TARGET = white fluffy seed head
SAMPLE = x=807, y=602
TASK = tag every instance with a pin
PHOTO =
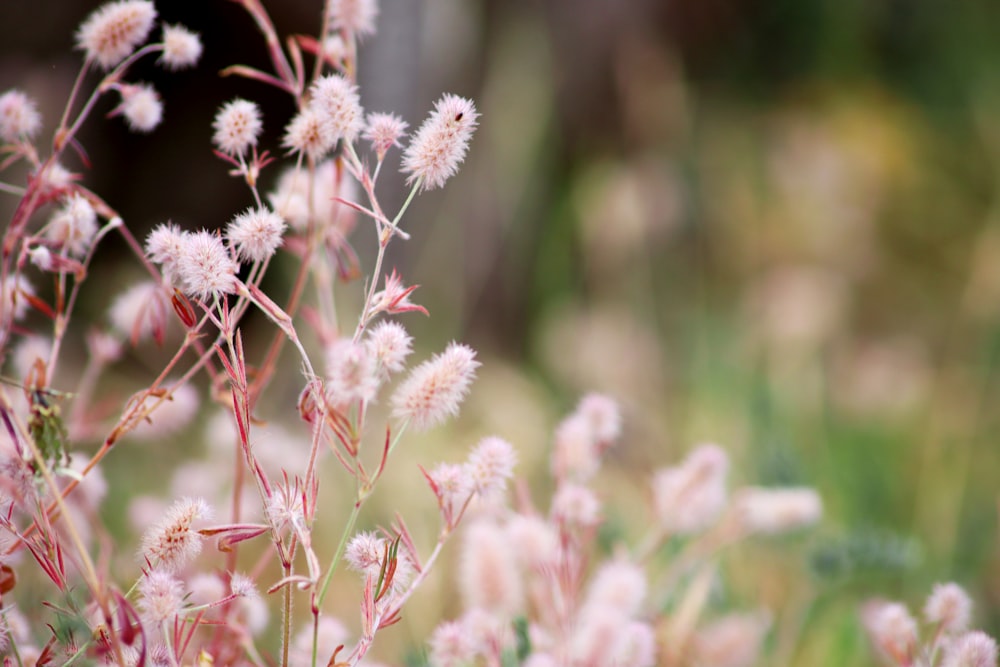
x=205, y=268
x=161, y=595
x=164, y=246
x=689, y=497
x=352, y=374
x=488, y=577
x=973, y=649
x=434, y=390
x=773, y=511
x=619, y=585
x=237, y=127
x=364, y=553
x=451, y=646
x=892, y=629
x=142, y=107
x=73, y=226
x=173, y=542
x=440, y=144
x=575, y=505
x=389, y=345
x=354, y=16
x=384, y=130
x=140, y=312
x=337, y=102
x=491, y=465
x=309, y=133
x=255, y=235
x=950, y=607
x=181, y=47
x=113, y=31
x=19, y=117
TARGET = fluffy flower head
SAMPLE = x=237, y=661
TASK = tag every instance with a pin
x=337, y=102
x=237, y=126
x=354, y=16
x=439, y=146
x=255, y=234
x=434, y=389
x=384, y=131
x=389, y=345
x=19, y=117
x=204, y=267
x=142, y=107
x=114, y=30
x=73, y=226
x=309, y=133
x=181, y=47
x=172, y=542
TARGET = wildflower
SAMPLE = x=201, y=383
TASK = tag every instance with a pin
x=206, y=589
x=19, y=117
x=575, y=453
x=453, y=488
x=734, y=640
x=352, y=374
x=488, y=576
x=204, y=267
x=164, y=246
x=637, y=645
x=104, y=348
x=490, y=465
x=451, y=646
x=949, y=607
x=973, y=649
x=353, y=16
x=27, y=351
x=73, y=226
x=576, y=505
x=364, y=553
x=309, y=133
x=618, y=584
x=181, y=47
x=774, y=511
x=237, y=126
x=535, y=541
x=384, y=131
x=337, y=101
x=172, y=542
x=291, y=199
x=242, y=586
x=12, y=299
x=689, y=497
x=255, y=234
x=114, y=30
x=140, y=311
x=141, y=106
x=602, y=415
x=389, y=345
x=597, y=636
x=433, y=390
x=892, y=629
x=161, y=595
x=440, y=144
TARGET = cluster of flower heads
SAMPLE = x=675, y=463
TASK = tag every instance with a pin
x=948, y=642
x=534, y=565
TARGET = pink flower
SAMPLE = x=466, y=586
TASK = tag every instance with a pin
x=181, y=47
x=141, y=106
x=950, y=607
x=237, y=126
x=490, y=465
x=434, y=389
x=161, y=595
x=690, y=497
x=114, y=30
x=19, y=117
x=205, y=268
x=309, y=133
x=440, y=144
x=337, y=101
x=384, y=131
x=354, y=16
x=173, y=542
x=255, y=234
x=389, y=345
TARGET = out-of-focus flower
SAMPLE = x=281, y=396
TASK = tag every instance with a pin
x=113, y=31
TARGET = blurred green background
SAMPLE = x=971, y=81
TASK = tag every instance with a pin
x=772, y=224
